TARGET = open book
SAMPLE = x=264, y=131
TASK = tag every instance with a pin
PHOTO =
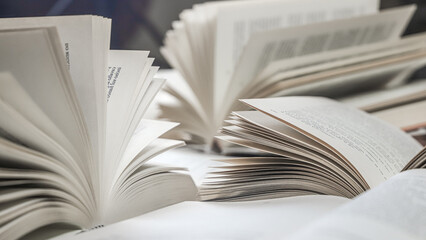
x=392, y=210
x=276, y=48
x=312, y=145
x=72, y=144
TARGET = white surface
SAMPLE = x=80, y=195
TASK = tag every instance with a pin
x=266, y=219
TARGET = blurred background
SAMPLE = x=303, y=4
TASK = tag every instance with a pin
x=141, y=24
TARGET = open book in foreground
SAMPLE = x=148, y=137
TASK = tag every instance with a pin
x=392, y=210
x=279, y=48
x=72, y=144
x=314, y=145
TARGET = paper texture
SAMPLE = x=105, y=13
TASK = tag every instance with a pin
x=376, y=149
x=234, y=30
x=393, y=210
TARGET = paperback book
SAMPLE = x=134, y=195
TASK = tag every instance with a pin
x=312, y=145
x=73, y=148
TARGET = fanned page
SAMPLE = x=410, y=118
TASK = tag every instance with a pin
x=206, y=43
x=269, y=46
x=349, y=79
x=234, y=30
x=277, y=70
x=132, y=187
x=46, y=153
x=127, y=76
x=393, y=210
x=351, y=70
x=85, y=42
x=52, y=168
x=371, y=147
x=380, y=99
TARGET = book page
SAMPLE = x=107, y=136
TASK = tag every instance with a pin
x=348, y=79
x=14, y=156
x=269, y=46
x=233, y=30
x=146, y=132
x=177, y=86
x=388, y=97
x=84, y=41
x=376, y=149
x=342, y=57
x=126, y=76
x=144, y=187
x=393, y=210
x=13, y=95
x=407, y=116
x=36, y=54
x=22, y=133
x=138, y=113
x=129, y=77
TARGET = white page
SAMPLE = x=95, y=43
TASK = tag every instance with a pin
x=35, y=54
x=44, y=215
x=373, y=100
x=342, y=57
x=127, y=79
x=140, y=189
x=268, y=46
x=197, y=32
x=129, y=127
x=286, y=132
x=126, y=75
x=9, y=211
x=233, y=30
x=24, y=133
x=101, y=32
x=345, y=79
x=16, y=155
x=265, y=219
x=84, y=58
x=153, y=149
x=137, y=114
x=14, y=95
x=177, y=84
x=393, y=210
x=376, y=149
x=345, y=84
x=408, y=116
x=146, y=132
